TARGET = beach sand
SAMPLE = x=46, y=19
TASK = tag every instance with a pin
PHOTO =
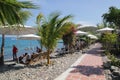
x=39, y=71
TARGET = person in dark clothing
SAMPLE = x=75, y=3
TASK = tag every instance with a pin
x=15, y=50
x=38, y=50
x=20, y=59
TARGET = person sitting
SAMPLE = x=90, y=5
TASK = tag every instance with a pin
x=33, y=55
x=20, y=59
x=38, y=50
x=26, y=58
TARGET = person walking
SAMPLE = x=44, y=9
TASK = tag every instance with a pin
x=15, y=50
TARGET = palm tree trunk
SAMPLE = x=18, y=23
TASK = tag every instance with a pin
x=2, y=50
x=48, y=57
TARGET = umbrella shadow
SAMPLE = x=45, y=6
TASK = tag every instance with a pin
x=12, y=65
x=16, y=66
x=9, y=67
x=87, y=70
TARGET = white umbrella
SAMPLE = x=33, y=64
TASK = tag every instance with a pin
x=15, y=30
x=92, y=36
x=29, y=37
x=80, y=32
x=83, y=26
x=105, y=29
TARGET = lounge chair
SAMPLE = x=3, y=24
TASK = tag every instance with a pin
x=38, y=57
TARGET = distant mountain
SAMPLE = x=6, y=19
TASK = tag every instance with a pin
x=90, y=29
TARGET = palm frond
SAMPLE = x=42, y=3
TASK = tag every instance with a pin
x=39, y=17
x=52, y=30
x=9, y=10
x=24, y=15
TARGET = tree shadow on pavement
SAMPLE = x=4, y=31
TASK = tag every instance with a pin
x=95, y=51
x=87, y=70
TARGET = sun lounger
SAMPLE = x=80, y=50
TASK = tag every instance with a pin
x=38, y=57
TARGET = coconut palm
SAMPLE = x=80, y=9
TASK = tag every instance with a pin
x=10, y=14
x=51, y=30
x=24, y=15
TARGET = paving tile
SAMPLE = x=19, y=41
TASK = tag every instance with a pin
x=84, y=78
x=76, y=77
x=93, y=79
x=90, y=68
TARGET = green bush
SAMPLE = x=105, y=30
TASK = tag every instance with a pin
x=114, y=60
x=108, y=40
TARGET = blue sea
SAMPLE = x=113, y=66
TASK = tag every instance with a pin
x=23, y=46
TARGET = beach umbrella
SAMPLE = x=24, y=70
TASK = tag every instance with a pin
x=105, y=29
x=86, y=26
x=92, y=36
x=80, y=32
x=29, y=37
x=15, y=30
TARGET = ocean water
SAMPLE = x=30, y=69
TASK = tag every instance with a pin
x=23, y=46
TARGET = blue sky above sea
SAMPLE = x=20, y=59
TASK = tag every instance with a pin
x=86, y=12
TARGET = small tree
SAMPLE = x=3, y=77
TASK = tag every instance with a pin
x=51, y=30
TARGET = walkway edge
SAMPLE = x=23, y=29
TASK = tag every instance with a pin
x=65, y=74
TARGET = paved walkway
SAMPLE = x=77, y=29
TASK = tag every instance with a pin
x=87, y=67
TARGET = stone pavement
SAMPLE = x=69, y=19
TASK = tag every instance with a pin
x=87, y=67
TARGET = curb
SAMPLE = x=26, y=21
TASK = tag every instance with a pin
x=66, y=73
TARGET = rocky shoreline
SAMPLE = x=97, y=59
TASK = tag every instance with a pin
x=39, y=71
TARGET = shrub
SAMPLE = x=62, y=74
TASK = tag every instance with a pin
x=108, y=40
x=114, y=60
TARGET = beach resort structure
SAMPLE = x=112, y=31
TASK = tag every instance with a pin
x=57, y=48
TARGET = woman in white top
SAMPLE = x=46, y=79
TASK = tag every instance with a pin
x=26, y=58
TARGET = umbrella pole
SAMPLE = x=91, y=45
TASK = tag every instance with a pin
x=2, y=50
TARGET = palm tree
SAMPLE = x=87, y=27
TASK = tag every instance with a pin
x=51, y=30
x=10, y=14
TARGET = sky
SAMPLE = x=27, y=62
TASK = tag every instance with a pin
x=85, y=12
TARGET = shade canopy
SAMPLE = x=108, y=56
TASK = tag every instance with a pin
x=80, y=32
x=92, y=36
x=86, y=26
x=17, y=30
x=29, y=37
x=105, y=29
